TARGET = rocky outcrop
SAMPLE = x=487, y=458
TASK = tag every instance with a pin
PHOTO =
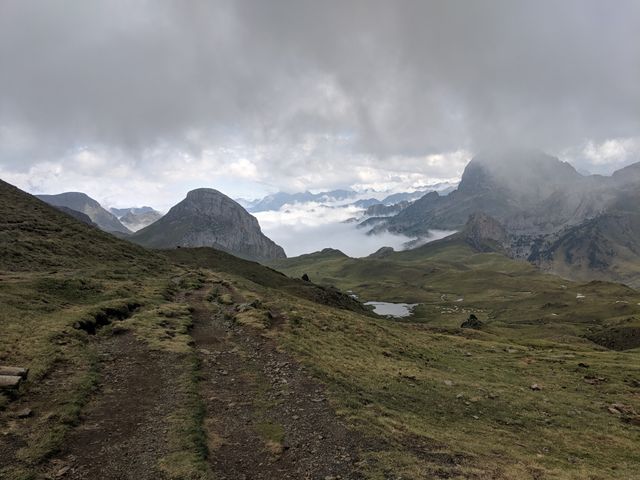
x=381, y=210
x=605, y=248
x=81, y=202
x=208, y=218
x=484, y=233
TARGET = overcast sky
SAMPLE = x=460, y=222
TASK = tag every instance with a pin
x=136, y=102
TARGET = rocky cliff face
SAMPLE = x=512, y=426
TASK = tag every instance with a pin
x=606, y=247
x=485, y=233
x=81, y=202
x=208, y=218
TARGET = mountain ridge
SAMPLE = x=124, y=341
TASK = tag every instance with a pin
x=81, y=202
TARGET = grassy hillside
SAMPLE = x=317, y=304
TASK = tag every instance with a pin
x=525, y=397
x=65, y=287
x=219, y=261
x=35, y=236
x=450, y=280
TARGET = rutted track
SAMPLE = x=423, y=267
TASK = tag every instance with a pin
x=266, y=418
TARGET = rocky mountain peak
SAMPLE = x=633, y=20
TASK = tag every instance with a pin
x=209, y=218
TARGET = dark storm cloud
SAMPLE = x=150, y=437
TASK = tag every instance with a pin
x=384, y=77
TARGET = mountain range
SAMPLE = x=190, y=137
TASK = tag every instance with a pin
x=346, y=197
x=577, y=225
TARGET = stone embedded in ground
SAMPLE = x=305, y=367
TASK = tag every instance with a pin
x=10, y=381
x=24, y=413
x=14, y=371
x=62, y=471
x=535, y=387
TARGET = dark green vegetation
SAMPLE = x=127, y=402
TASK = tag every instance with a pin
x=548, y=386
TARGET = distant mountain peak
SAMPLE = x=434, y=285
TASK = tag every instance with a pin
x=83, y=203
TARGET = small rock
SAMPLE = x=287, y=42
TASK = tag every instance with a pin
x=24, y=413
x=448, y=383
x=62, y=471
x=621, y=409
x=535, y=387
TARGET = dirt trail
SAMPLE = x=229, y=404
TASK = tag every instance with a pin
x=266, y=418
x=123, y=431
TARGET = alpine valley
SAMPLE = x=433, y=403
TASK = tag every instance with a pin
x=193, y=348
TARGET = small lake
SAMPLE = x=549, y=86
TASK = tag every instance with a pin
x=397, y=310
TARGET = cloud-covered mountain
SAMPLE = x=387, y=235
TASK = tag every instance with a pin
x=81, y=202
x=564, y=221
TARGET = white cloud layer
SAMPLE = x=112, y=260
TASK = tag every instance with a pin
x=311, y=227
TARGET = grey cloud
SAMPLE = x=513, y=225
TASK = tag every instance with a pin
x=394, y=78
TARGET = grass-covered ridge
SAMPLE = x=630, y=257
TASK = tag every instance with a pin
x=36, y=237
